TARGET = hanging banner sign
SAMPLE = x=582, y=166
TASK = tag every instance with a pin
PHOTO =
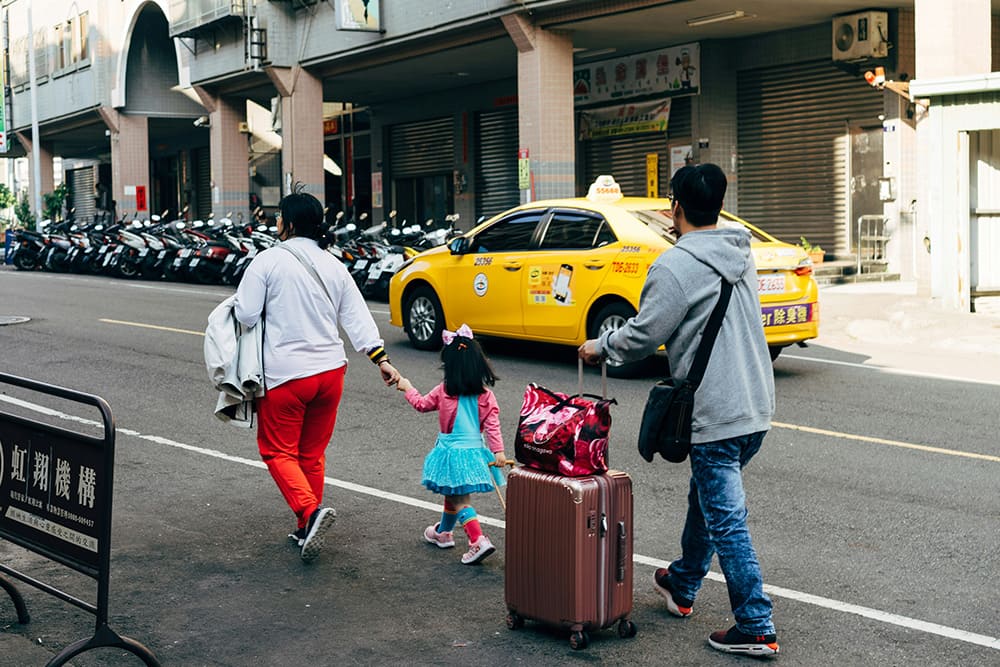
x=626, y=119
x=669, y=72
x=652, y=175
x=359, y=15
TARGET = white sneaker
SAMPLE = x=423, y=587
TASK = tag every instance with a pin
x=319, y=523
x=478, y=551
x=444, y=540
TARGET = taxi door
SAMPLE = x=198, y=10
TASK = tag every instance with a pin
x=575, y=254
x=484, y=284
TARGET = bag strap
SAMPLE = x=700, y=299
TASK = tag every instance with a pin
x=708, y=337
x=309, y=268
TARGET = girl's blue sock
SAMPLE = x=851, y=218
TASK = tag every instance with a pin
x=448, y=519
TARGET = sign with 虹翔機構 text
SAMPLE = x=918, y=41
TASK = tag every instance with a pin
x=51, y=491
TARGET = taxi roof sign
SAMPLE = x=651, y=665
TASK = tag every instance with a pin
x=604, y=189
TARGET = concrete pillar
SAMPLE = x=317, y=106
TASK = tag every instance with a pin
x=953, y=38
x=48, y=183
x=129, y=161
x=228, y=148
x=301, y=129
x=545, y=106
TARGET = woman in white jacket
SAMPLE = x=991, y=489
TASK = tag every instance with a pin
x=305, y=297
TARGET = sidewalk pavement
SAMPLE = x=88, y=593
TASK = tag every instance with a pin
x=896, y=325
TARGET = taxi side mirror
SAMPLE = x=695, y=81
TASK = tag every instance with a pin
x=459, y=246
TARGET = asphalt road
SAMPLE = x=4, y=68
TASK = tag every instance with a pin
x=874, y=507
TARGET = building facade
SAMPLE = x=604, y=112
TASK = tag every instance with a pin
x=217, y=106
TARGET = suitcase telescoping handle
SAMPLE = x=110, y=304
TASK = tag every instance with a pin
x=604, y=377
x=494, y=464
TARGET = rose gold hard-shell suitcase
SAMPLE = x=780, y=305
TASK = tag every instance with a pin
x=569, y=552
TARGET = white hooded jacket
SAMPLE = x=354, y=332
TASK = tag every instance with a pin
x=234, y=360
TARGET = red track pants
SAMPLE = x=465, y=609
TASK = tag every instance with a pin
x=295, y=423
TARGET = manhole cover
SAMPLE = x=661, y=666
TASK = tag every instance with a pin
x=13, y=319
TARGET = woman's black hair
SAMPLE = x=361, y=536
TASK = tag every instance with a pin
x=466, y=368
x=302, y=215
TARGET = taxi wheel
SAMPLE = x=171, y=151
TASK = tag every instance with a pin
x=424, y=319
x=609, y=318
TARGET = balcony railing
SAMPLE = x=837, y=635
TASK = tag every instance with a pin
x=187, y=16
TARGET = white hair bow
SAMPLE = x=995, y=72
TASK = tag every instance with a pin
x=448, y=336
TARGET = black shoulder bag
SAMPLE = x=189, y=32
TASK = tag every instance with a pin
x=666, y=420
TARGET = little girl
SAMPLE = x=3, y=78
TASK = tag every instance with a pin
x=459, y=463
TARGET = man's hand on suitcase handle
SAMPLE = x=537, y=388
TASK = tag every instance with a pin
x=588, y=352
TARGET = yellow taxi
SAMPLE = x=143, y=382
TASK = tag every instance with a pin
x=565, y=270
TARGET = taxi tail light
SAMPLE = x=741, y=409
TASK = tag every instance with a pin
x=804, y=268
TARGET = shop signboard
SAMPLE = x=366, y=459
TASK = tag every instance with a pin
x=669, y=72
x=362, y=15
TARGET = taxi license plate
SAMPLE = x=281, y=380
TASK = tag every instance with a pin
x=771, y=283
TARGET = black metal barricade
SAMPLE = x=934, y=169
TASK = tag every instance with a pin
x=56, y=488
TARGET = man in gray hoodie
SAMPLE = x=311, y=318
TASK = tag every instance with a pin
x=733, y=405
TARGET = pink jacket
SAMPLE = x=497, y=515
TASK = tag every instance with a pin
x=447, y=407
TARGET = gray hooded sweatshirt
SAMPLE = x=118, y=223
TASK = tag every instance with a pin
x=736, y=395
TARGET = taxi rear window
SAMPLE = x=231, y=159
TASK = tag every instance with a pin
x=661, y=221
x=576, y=230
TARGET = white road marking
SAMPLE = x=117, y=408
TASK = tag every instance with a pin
x=776, y=591
x=204, y=291
x=890, y=371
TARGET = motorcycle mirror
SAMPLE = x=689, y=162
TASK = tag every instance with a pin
x=392, y=213
x=363, y=216
x=340, y=214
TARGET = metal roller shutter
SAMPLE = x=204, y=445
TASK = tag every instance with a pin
x=624, y=157
x=496, y=171
x=794, y=149
x=81, y=182
x=202, y=184
x=427, y=147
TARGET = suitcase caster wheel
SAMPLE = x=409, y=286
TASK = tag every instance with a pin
x=514, y=621
x=626, y=629
x=579, y=641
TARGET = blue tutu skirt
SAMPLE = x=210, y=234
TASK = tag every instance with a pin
x=460, y=465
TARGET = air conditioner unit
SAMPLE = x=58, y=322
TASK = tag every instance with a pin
x=861, y=36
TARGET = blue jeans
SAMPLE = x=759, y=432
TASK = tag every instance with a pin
x=717, y=524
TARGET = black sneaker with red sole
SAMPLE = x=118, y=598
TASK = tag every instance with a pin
x=676, y=605
x=734, y=641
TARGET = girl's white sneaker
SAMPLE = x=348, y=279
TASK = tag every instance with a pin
x=478, y=551
x=442, y=540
